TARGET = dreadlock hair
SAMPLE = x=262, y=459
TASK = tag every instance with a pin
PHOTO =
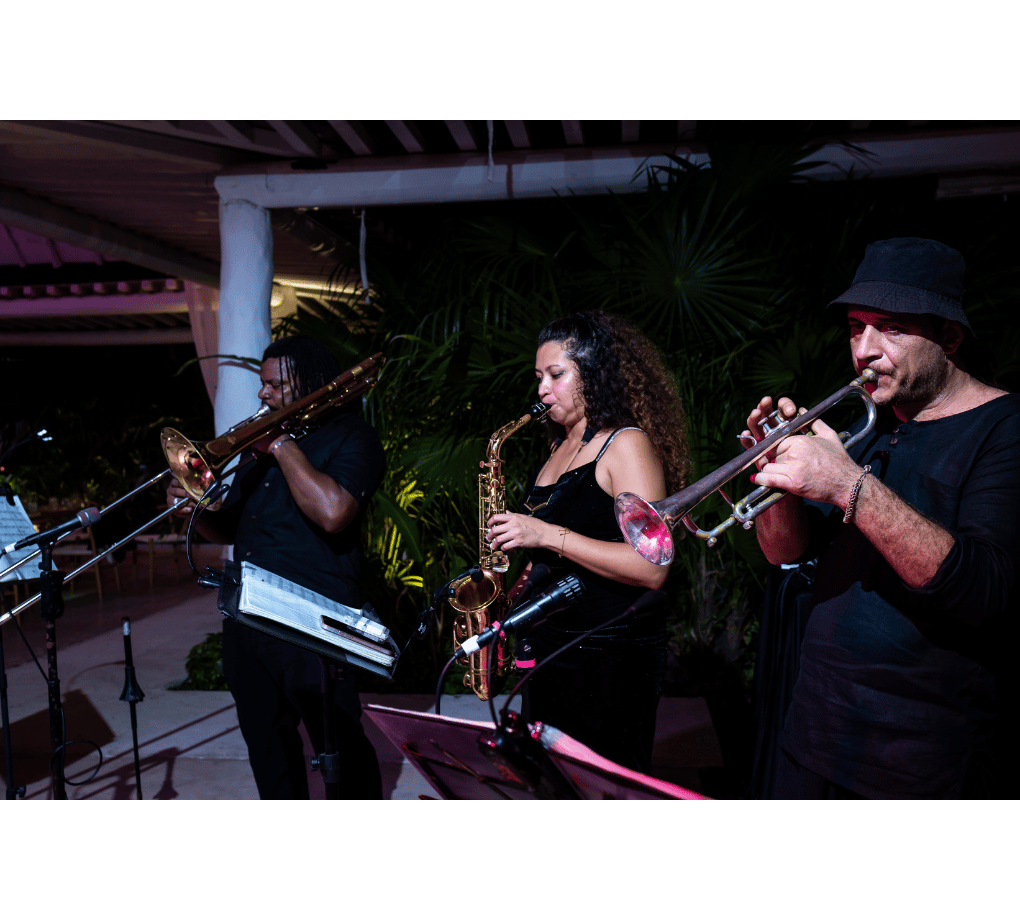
x=624, y=381
x=305, y=363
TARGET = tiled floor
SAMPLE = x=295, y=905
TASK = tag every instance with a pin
x=189, y=745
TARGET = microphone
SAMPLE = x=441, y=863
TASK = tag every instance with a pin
x=561, y=595
x=84, y=518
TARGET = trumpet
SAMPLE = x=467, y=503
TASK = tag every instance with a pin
x=648, y=526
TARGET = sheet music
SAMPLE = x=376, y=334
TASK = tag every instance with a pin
x=15, y=524
x=267, y=595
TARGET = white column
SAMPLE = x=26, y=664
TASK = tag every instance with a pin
x=246, y=284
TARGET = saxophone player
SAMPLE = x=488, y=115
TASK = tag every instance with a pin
x=621, y=428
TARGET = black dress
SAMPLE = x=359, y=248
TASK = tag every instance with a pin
x=605, y=691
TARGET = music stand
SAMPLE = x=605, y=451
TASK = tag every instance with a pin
x=463, y=759
x=333, y=662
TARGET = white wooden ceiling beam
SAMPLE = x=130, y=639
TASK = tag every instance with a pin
x=354, y=136
x=408, y=136
x=179, y=336
x=430, y=179
x=572, y=133
x=461, y=135
x=302, y=141
x=518, y=132
x=630, y=131
x=948, y=152
x=69, y=226
x=169, y=144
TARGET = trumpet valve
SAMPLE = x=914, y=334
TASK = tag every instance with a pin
x=776, y=418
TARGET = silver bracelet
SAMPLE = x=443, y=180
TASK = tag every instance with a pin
x=284, y=437
x=851, y=506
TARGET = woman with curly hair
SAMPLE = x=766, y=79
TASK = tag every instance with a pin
x=622, y=429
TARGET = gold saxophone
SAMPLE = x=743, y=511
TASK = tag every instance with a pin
x=481, y=602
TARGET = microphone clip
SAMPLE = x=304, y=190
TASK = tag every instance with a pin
x=521, y=758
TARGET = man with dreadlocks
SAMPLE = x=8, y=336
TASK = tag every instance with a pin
x=296, y=512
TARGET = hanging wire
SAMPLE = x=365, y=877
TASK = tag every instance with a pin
x=362, y=241
x=491, y=163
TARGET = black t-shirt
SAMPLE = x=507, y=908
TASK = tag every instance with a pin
x=900, y=689
x=273, y=534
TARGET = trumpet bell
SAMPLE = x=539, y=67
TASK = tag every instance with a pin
x=644, y=529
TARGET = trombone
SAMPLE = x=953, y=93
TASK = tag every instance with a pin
x=199, y=466
x=648, y=526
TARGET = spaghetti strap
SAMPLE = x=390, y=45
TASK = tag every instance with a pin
x=609, y=440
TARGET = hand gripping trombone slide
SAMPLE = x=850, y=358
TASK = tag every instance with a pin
x=648, y=527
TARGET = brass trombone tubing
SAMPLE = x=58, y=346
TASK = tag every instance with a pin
x=28, y=603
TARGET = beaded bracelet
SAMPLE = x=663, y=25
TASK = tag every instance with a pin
x=851, y=506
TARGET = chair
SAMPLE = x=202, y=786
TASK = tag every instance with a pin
x=76, y=549
x=171, y=538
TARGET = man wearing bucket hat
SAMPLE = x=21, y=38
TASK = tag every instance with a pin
x=901, y=690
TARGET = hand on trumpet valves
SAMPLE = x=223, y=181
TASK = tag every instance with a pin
x=764, y=418
x=514, y=531
x=817, y=468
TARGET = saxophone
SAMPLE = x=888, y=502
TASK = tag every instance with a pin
x=480, y=602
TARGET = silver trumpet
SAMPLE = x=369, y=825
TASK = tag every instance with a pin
x=648, y=527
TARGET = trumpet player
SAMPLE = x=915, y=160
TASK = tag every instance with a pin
x=900, y=691
x=295, y=512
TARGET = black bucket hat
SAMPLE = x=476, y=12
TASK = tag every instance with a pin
x=909, y=275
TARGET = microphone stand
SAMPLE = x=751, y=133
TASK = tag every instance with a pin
x=512, y=743
x=328, y=762
x=52, y=607
x=133, y=695
x=12, y=792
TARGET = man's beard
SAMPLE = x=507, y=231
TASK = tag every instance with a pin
x=925, y=383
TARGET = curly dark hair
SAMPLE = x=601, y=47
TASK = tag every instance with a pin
x=624, y=381
x=305, y=362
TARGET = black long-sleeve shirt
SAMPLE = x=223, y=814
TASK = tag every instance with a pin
x=900, y=691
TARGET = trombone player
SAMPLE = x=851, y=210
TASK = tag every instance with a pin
x=296, y=512
x=900, y=692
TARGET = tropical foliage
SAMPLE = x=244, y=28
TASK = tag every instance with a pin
x=726, y=268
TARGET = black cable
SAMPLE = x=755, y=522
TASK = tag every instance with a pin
x=200, y=506
x=493, y=651
x=60, y=750
x=562, y=648
x=439, y=686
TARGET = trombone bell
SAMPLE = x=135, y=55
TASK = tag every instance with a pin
x=187, y=464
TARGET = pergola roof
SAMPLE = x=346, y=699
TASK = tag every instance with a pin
x=102, y=222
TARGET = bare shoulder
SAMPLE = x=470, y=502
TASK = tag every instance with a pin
x=631, y=464
x=630, y=441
